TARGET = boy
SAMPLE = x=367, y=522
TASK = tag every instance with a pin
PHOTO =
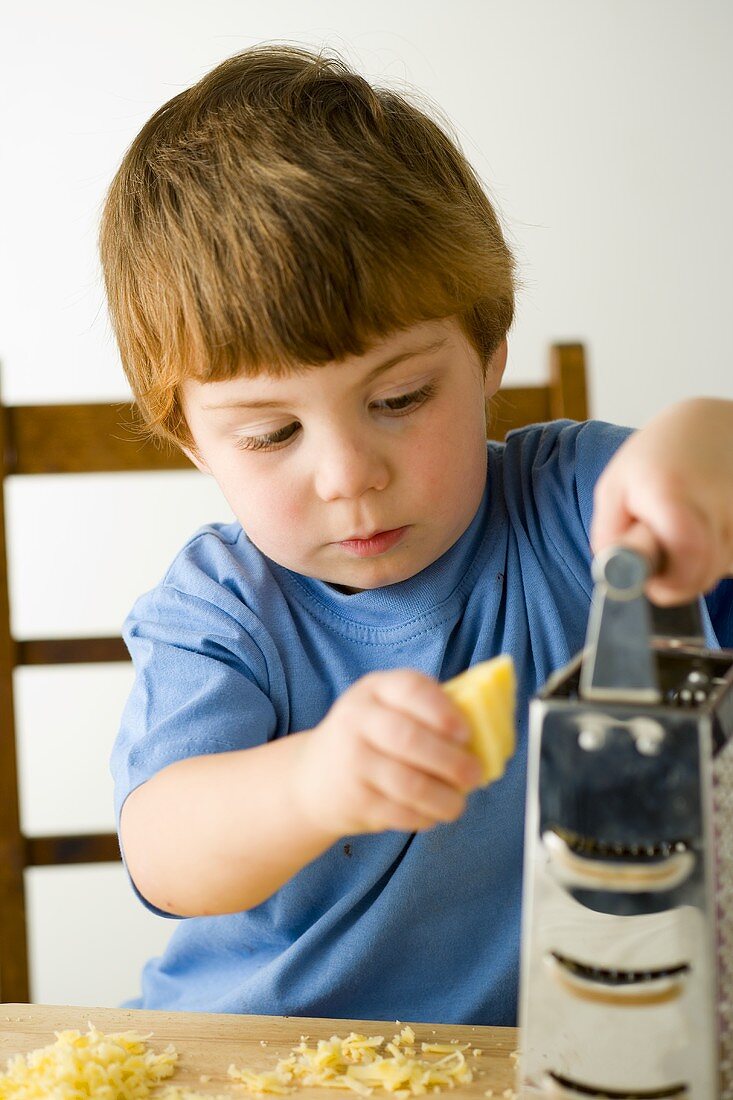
x=311, y=294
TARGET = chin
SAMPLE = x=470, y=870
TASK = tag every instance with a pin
x=376, y=578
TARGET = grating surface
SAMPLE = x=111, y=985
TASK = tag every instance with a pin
x=723, y=829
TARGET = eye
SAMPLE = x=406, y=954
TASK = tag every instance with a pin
x=406, y=402
x=269, y=442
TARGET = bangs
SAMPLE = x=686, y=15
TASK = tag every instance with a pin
x=317, y=300
x=289, y=222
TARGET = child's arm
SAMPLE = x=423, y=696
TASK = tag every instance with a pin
x=668, y=491
x=221, y=833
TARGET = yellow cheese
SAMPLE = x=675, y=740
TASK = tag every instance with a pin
x=94, y=1064
x=357, y=1063
x=123, y=1067
x=486, y=695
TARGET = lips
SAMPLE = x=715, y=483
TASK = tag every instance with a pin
x=376, y=543
x=371, y=535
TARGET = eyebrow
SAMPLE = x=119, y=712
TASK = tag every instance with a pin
x=435, y=345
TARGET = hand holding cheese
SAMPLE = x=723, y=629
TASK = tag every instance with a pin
x=390, y=754
x=486, y=696
x=399, y=751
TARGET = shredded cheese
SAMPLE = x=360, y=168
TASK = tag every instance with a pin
x=107, y=1067
x=358, y=1063
x=123, y=1067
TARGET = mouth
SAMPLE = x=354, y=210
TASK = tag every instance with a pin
x=372, y=545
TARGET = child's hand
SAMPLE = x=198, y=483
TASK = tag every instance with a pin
x=668, y=492
x=390, y=754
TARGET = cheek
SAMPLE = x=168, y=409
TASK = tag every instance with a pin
x=451, y=456
x=264, y=503
x=289, y=506
x=431, y=466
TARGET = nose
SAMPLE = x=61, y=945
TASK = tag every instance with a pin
x=347, y=466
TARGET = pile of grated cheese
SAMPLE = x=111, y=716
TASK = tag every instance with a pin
x=107, y=1067
x=357, y=1063
x=123, y=1067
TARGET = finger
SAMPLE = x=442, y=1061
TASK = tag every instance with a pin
x=642, y=539
x=689, y=547
x=611, y=517
x=401, y=737
x=385, y=814
x=671, y=532
x=422, y=698
x=415, y=790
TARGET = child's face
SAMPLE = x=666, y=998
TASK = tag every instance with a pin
x=390, y=444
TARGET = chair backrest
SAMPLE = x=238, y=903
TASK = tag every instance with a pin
x=102, y=438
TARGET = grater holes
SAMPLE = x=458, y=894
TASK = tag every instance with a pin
x=595, y=848
x=577, y=1088
x=617, y=977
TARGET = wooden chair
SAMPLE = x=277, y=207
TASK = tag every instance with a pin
x=100, y=438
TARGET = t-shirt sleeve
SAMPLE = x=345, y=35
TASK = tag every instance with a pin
x=201, y=686
x=551, y=471
x=562, y=462
x=595, y=448
x=587, y=449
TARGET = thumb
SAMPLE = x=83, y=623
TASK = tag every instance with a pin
x=611, y=517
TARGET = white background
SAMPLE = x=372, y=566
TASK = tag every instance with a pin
x=603, y=131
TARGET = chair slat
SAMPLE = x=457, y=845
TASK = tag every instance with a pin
x=69, y=651
x=48, y=851
x=72, y=439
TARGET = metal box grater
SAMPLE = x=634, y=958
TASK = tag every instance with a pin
x=627, y=926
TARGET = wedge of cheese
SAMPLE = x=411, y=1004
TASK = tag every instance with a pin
x=486, y=695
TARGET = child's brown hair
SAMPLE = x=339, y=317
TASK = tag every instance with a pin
x=283, y=213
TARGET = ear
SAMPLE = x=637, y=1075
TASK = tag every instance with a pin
x=196, y=459
x=495, y=370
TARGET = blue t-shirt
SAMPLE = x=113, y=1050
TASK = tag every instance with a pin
x=232, y=650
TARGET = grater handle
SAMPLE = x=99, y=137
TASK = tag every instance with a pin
x=618, y=662
x=681, y=622
x=641, y=540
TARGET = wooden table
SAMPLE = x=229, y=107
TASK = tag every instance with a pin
x=208, y=1044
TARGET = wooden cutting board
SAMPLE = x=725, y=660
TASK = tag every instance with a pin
x=208, y=1044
